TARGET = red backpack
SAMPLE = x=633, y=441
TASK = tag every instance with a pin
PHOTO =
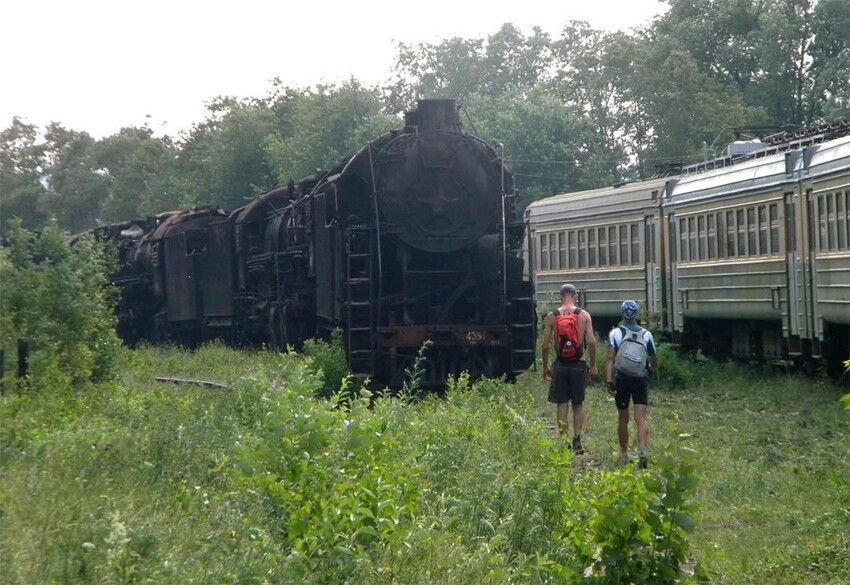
x=569, y=346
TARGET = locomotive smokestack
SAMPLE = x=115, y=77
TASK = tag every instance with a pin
x=436, y=115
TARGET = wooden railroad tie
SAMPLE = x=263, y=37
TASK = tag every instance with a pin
x=205, y=383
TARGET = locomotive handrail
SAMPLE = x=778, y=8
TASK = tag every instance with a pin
x=504, y=230
x=377, y=234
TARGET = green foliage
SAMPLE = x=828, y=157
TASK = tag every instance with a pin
x=637, y=523
x=541, y=134
x=413, y=384
x=140, y=171
x=21, y=161
x=261, y=482
x=282, y=486
x=58, y=298
x=223, y=160
x=677, y=370
x=328, y=362
x=330, y=484
x=76, y=188
x=135, y=483
x=505, y=62
x=326, y=124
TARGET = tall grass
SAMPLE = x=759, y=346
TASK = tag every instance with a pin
x=135, y=481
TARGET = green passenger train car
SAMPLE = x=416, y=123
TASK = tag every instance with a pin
x=750, y=260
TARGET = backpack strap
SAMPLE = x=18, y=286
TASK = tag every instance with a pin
x=637, y=335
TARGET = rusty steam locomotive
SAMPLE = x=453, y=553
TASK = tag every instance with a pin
x=413, y=238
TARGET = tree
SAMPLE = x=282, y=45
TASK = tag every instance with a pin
x=77, y=188
x=140, y=172
x=681, y=106
x=586, y=78
x=452, y=68
x=223, y=160
x=784, y=37
x=786, y=57
x=22, y=187
x=550, y=147
x=830, y=67
x=58, y=298
x=505, y=62
x=325, y=124
x=720, y=35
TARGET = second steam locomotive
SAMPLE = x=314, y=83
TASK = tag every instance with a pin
x=413, y=238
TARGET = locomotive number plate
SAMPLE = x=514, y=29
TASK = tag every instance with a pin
x=479, y=337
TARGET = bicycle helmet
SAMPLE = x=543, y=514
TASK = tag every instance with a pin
x=630, y=309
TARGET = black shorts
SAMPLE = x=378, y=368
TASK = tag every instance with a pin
x=636, y=389
x=568, y=382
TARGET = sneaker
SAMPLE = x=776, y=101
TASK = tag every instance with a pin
x=624, y=458
x=642, y=460
x=577, y=448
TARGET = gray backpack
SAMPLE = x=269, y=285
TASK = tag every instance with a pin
x=631, y=355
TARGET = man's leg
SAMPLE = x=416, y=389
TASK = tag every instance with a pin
x=578, y=382
x=563, y=419
x=578, y=418
x=623, y=428
x=643, y=433
x=578, y=425
x=642, y=425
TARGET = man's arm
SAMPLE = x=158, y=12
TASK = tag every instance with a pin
x=609, y=368
x=547, y=337
x=653, y=354
x=590, y=341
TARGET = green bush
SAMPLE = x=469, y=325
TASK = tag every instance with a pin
x=328, y=362
x=678, y=371
x=58, y=298
x=639, y=523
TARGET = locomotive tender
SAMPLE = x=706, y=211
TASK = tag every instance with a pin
x=413, y=238
x=750, y=260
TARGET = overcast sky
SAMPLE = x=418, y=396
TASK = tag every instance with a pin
x=98, y=65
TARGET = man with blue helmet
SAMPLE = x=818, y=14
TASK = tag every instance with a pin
x=630, y=346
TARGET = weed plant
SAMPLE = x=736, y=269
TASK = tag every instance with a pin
x=328, y=362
